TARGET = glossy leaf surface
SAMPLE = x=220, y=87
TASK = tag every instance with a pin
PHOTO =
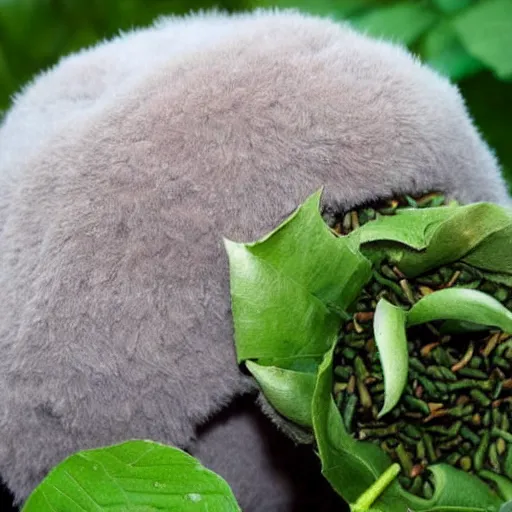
x=132, y=476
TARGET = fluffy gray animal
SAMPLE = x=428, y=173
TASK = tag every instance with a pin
x=121, y=170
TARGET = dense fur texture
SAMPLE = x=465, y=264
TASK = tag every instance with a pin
x=122, y=168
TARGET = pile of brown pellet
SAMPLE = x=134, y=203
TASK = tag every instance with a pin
x=457, y=406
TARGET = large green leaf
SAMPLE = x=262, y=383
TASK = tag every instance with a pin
x=403, y=22
x=486, y=31
x=350, y=466
x=132, y=476
x=289, y=289
x=276, y=318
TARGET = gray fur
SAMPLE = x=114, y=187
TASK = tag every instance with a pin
x=122, y=168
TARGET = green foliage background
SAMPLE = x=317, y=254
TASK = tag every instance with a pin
x=469, y=41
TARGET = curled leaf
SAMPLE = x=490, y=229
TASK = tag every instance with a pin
x=461, y=304
x=419, y=240
x=455, y=490
x=277, y=319
x=467, y=230
x=289, y=392
x=495, y=254
x=391, y=340
x=411, y=227
x=289, y=290
x=350, y=466
x=503, y=484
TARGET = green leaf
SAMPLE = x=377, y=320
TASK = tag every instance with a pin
x=478, y=234
x=460, y=304
x=503, y=484
x=268, y=275
x=442, y=50
x=137, y=476
x=495, y=255
x=350, y=466
x=391, y=340
x=289, y=392
x=456, y=491
x=453, y=239
x=486, y=31
x=403, y=22
x=289, y=289
x=276, y=318
x=459, y=326
x=451, y=6
x=433, y=237
x=411, y=227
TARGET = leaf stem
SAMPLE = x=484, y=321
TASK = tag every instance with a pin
x=367, y=499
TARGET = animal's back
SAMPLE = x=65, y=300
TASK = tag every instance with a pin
x=124, y=167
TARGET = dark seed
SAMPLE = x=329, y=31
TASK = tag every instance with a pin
x=501, y=446
x=446, y=431
x=470, y=384
x=501, y=362
x=494, y=458
x=420, y=450
x=473, y=373
x=428, y=490
x=343, y=372
x=416, y=404
x=465, y=463
x=480, y=397
x=481, y=452
x=429, y=447
x=364, y=395
x=349, y=353
x=416, y=485
x=379, y=432
x=497, y=432
x=450, y=445
x=405, y=458
x=360, y=368
x=468, y=434
x=349, y=410
x=453, y=458
x=491, y=344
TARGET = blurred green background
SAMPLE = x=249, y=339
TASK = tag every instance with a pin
x=470, y=41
